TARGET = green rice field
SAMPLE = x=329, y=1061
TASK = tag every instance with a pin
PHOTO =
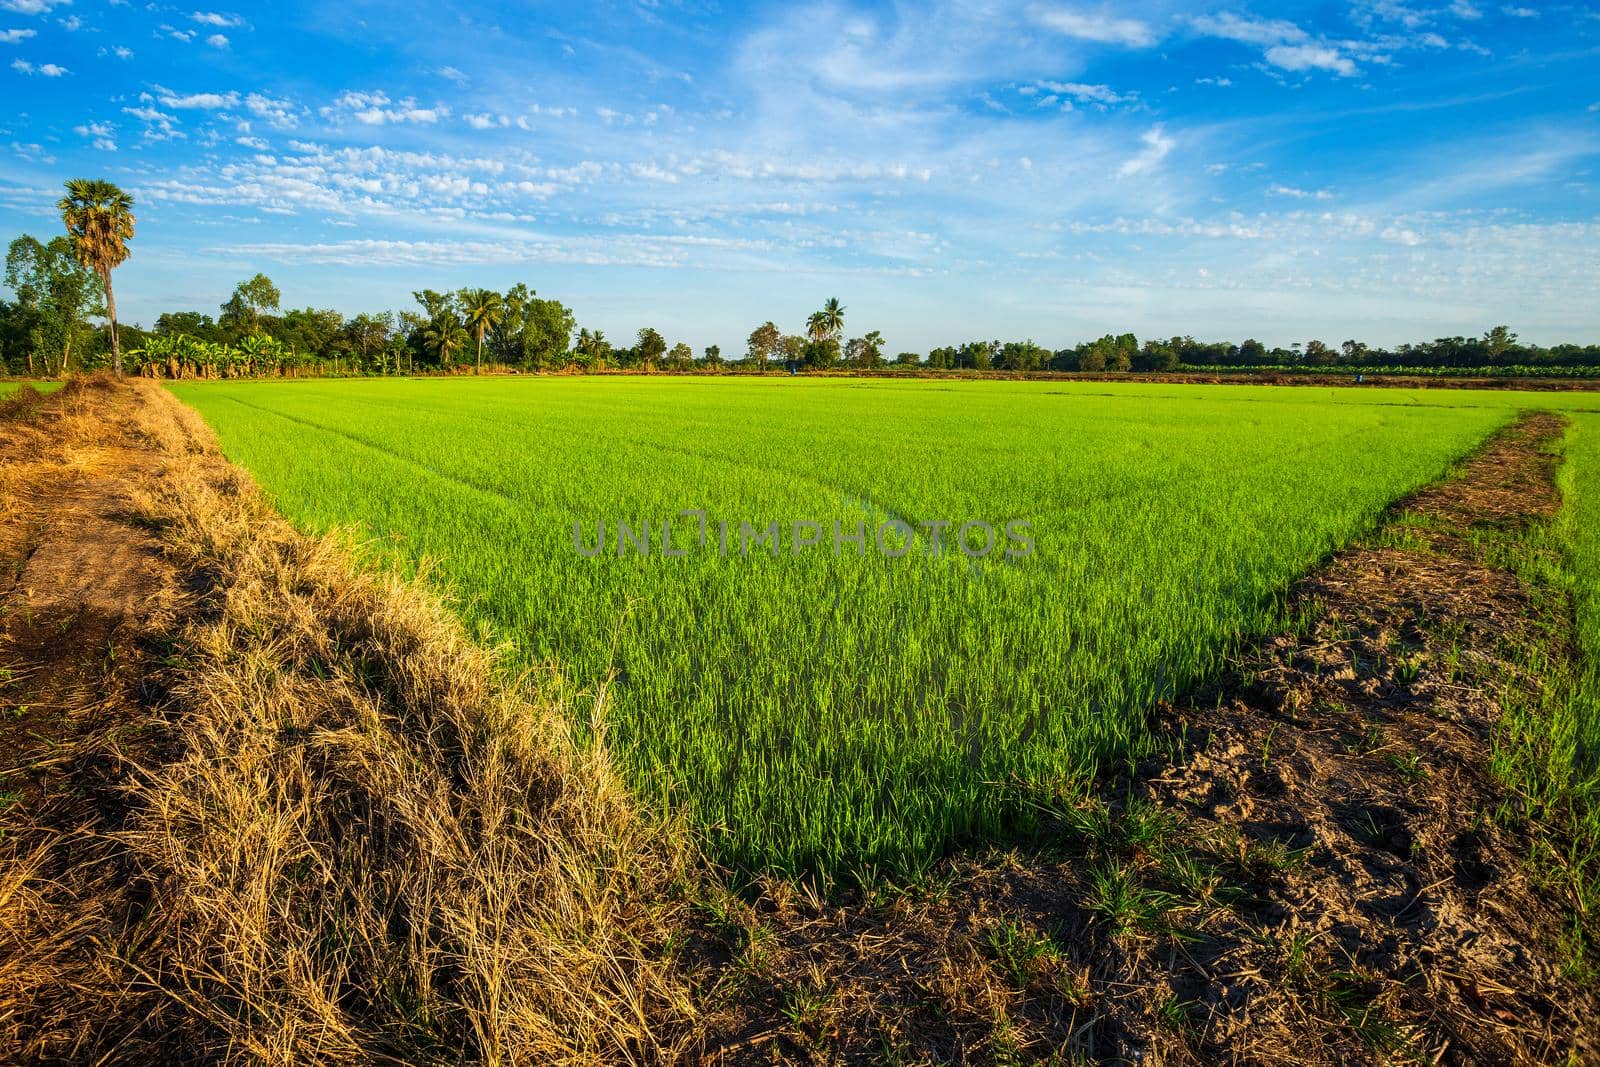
x=840, y=705
x=9, y=387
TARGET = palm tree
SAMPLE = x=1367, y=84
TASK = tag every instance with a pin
x=483, y=309
x=833, y=315
x=99, y=218
x=444, y=335
x=817, y=327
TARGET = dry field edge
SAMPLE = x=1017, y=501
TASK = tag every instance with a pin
x=267, y=806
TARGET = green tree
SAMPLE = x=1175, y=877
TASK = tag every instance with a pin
x=833, y=317
x=594, y=348
x=1498, y=341
x=311, y=331
x=368, y=335
x=482, y=310
x=650, y=347
x=1318, y=354
x=763, y=345
x=250, y=300
x=1092, y=357
x=865, y=352
x=444, y=337
x=793, y=348
x=434, y=304
x=681, y=357
x=99, y=220
x=817, y=328
x=713, y=355
x=56, y=294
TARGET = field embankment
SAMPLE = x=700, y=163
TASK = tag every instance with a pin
x=262, y=806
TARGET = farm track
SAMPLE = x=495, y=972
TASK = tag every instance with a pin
x=1325, y=871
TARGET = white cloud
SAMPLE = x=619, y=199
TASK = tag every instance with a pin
x=1220, y=83
x=1285, y=45
x=1102, y=95
x=486, y=121
x=214, y=18
x=279, y=114
x=159, y=126
x=1102, y=29
x=72, y=23
x=1157, y=146
x=1264, y=32
x=15, y=36
x=1464, y=9
x=217, y=40
x=103, y=135
x=33, y=153
x=1520, y=12
x=1311, y=57
x=31, y=7
x=372, y=109
x=252, y=142
x=1300, y=194
x=176, y=34
x=452, y=74
x=47, y=70
x=197, y=101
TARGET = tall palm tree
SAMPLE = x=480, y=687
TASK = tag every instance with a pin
x=483, y=309
x=99, y=219
x=833, y=315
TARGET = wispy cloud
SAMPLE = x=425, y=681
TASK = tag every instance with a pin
x=1300, y=194
x=376, y=109
x=44, y=70
x=15, y=36
x=196, y=101
x=1157, y=146
x=1284, y=44
x=102, y=135
x=1299, y=57
x=31, y=7
x=1100, y=28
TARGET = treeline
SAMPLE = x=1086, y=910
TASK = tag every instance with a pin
x=47, y=328
x=1499, y=348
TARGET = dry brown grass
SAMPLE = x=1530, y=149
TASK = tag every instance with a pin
x=358, y=841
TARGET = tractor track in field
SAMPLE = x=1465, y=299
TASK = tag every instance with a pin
x=1323, y=869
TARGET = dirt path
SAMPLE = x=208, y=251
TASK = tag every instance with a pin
x=1324, y=869
x=82, y=585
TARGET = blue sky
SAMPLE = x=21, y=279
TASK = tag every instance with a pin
x=1056, y=170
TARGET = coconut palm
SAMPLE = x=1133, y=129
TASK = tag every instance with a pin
x=817, y=327
x=483, y=309
x=99, y=220
x=445, y=336
x=833, y=315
